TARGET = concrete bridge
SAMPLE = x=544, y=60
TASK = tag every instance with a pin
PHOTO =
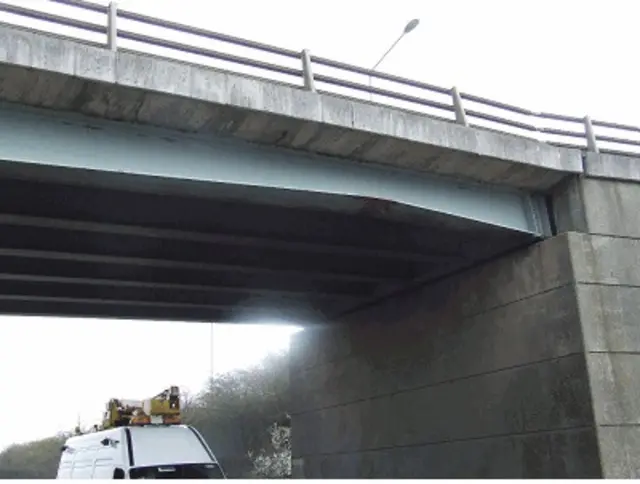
x=471, y=296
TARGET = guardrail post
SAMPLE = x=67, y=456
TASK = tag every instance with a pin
x=307, y=72
x=112, y=26
x=591, y=136
x=461, y=116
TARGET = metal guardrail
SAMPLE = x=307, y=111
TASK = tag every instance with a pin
x=583, y=133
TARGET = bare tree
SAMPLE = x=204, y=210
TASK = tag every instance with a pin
x=275, y=463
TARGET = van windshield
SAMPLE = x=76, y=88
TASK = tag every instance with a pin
x=178, y=471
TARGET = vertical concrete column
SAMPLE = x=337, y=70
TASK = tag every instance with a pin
x=307, y=71
x=461, y=116
x=606, y=261
x=112, y=26
x=480, y=375
x=592, y=144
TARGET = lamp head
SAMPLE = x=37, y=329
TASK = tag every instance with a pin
x=411, y=25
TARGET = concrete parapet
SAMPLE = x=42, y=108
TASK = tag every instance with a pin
x=610, y=166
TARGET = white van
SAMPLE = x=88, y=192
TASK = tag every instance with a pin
x=142, y=452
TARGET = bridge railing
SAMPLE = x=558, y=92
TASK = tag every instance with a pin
x=113, y=28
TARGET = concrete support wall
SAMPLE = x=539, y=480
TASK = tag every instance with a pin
x=480, y=375
x=607, y=271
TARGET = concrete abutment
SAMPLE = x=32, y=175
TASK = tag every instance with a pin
x=526, y=366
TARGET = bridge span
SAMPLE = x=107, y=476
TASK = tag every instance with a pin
x=470, y=294
x=130, y=190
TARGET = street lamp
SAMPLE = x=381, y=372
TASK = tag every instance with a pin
x=411, y=25
x=211, y=355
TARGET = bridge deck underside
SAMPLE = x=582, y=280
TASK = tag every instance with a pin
x=176, y=252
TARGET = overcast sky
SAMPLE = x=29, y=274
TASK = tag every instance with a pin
x=568, y=56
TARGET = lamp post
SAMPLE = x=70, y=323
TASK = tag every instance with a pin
x=211, y=355
x=411, y=25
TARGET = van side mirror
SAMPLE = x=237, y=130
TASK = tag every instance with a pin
x=118, y=473
x=105, y=442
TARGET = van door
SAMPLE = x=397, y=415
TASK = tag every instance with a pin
x=84, y=463
x=66, y=465
x=103, y=468
x=82, y=467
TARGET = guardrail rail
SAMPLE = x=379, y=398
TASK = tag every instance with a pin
x=304, y=70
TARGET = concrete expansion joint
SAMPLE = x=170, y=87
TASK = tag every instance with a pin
x=609, y=284
x=562, y=429
x=615, y=352
x=619, y=424
x=583, y=158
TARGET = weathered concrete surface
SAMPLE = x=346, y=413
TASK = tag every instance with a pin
x=607, y=269
x=464, y=378
x=609, y=315
x=606, y=266
x=619, y=446
x=611, y=208
x=597, y=206
x=568, y=210
x=57, y=73
x=558, y=453
x=618, y=167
